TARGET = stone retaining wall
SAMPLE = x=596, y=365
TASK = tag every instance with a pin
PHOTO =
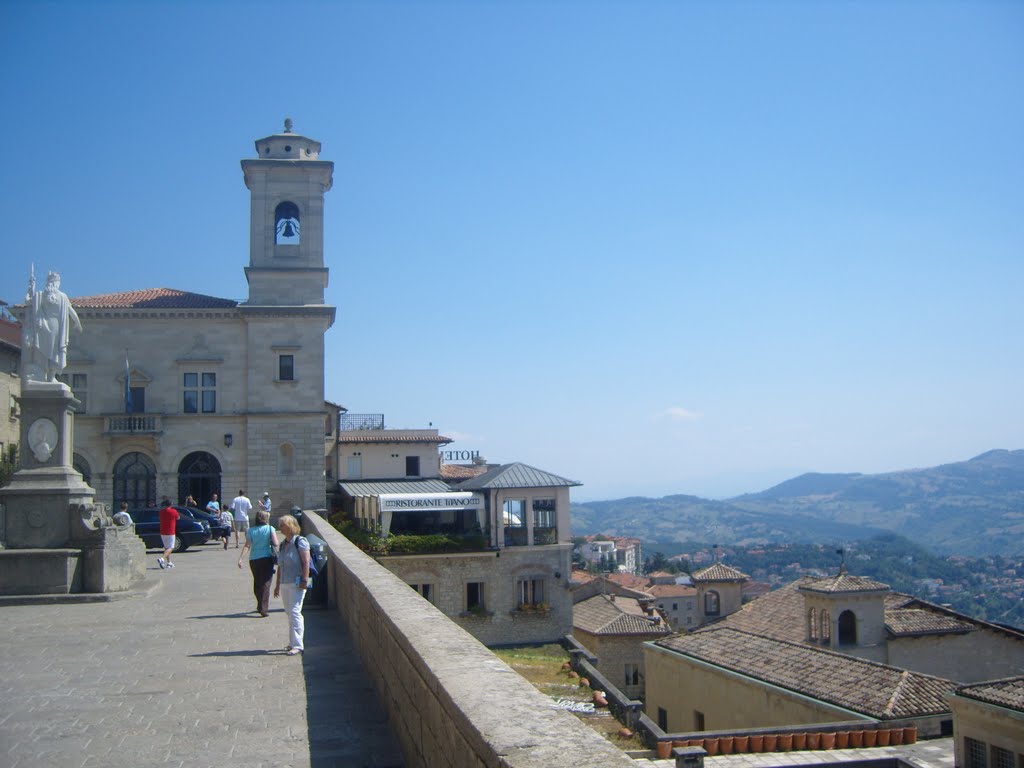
x=451, y=701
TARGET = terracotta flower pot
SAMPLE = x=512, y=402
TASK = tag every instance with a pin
x=725, y=745
x=664, y=749
x=828, y=741
x=584, y=682
x=895, y=736
x=740, y=744
x=771, y=742
x=785, y=742
x=680, y=743
x=813, y=740
x=870, y=738
x=711, y=747
x=883, y=737
x=757, y=743
x=842, y=739
x=856, y=739
x=625, y=733
x=910, y=735
x=600, y=702
x=799, y=741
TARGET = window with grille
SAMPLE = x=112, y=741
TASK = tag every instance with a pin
x=1002, y=758
x=974, y=753
x=632, y=674
x=475, y=596
x=425, y=590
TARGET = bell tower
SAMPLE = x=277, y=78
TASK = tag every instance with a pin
x=287, y=183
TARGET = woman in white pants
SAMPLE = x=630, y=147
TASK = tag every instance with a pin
x=292, y=579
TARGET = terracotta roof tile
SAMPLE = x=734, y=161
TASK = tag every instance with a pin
x=602, y=615
x=845, y=582
x=462, y=471
x=1008, y=692
x=153, y=298
x=908, y=622
x=388, y=436
x=10, y=333
x=719, y=572
x=671, y=590
x=629, y=580
x=872, y=689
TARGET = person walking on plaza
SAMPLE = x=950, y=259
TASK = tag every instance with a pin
x=213, y=506
x=260, y=541
x=168, y=526
x=228, y=522
x=265, y=504
x=292, y=580
x=241, y=507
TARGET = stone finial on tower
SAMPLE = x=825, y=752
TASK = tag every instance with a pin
x=288, y=125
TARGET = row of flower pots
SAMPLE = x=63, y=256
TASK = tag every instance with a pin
x=785, y=742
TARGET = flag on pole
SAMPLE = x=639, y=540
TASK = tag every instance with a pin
x=127, y=384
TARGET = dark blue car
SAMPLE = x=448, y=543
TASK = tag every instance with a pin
x=191, y=530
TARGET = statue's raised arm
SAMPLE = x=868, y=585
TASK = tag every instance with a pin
x=49, y=318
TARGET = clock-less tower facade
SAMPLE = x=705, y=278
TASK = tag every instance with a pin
x=285, y=317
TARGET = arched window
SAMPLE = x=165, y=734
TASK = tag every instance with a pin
x=812, y=624
x=135, y=481
x=847, y=628
x=826, y=626
x=285, y=459
x=712, y=603
x=82, y=467
x=286, y=224
x=199, y=475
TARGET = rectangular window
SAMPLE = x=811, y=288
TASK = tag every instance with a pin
x=632, y=674
x=698, y=721
x=530, y=591
x=514, y=517
x=974, y=753
x=79, y=383
x=199, y=392
x=544, y=513
x=1001, y=758
x=425, y=590
x=475, y=596
x=412, y=466
x=286, y=367
x=138, y=399
x=662, y=719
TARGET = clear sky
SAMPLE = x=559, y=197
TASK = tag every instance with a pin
x=655, y=247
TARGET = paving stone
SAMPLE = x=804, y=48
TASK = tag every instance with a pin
x=182, y=674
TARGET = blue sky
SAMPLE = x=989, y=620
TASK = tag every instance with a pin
x=656, y=247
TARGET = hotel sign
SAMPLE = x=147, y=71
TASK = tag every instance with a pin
x=459, y=455
x=429, y=502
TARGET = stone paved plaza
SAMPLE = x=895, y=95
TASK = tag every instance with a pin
x=182, y=674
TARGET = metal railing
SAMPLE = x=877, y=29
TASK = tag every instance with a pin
x=353, y=421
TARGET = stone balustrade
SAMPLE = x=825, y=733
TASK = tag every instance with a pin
x=450, y=701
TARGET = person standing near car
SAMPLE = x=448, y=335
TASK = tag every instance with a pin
x=241, y=507
x=168, y=527
x=292, y=580
x=260, y=541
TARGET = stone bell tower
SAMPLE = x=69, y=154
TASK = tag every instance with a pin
x=287, y=183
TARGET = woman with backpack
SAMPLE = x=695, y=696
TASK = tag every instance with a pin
x=292, y=580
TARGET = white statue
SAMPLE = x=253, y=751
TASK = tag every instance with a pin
x=49, y=318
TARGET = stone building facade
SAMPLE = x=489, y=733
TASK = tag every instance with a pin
x=10, y=384
x=988, y=724
x=184, y=393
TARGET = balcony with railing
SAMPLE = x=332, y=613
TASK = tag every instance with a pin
x=133, y=424
x=350, y=422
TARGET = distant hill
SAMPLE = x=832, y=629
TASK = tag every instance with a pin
x=973, y=507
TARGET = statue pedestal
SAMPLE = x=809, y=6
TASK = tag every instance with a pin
x=57, y=539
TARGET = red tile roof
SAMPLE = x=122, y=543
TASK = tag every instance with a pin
x=388, y=436
x=608, y=615
x=1008, y=692
x=873, y=689
x=719, y=572
x=671, y=590
x=153, y=298
x=10, y=333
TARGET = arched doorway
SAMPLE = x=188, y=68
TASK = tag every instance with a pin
x=199, y=475
x=135, y=481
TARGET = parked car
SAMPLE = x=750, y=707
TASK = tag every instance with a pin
x=218, y=530
x=191, y=531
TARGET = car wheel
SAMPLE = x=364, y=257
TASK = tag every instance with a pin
x=179, y=544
